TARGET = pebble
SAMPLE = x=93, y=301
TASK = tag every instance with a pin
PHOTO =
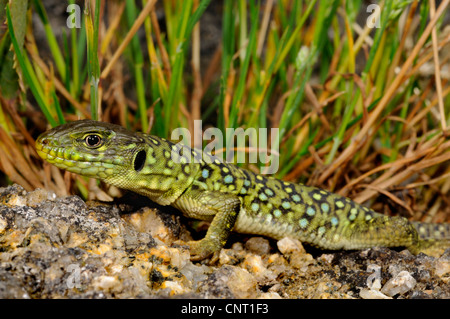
x=258, y=245
x=289, y=245
x=399, y=284
x=3, y=224
x=105, y=282
x=242, y=283
x=148, y=221
x=174, y=287
x=372, y=294
x=443, y=269
x=255, y=265
x=270, y=295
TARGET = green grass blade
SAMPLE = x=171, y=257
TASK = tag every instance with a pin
x=92, y=48
x=53, y=44
x=28, y=73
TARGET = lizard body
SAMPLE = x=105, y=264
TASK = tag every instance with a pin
x=203, y=187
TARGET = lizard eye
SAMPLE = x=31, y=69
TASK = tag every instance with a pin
x=93, y=141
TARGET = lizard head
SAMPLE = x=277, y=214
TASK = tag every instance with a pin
x=92, y=149
x=145, y=164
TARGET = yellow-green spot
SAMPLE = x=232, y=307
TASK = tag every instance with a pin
x=340, y=204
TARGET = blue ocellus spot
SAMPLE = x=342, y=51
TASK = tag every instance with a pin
x=255, y=207
x=228, y=179
x=277, y=213
x=303, y=223
x=247, y=183
x=334, y=221
x=286, y=205
x=269, y=191
x=353, y=214
x=325, y=207
x=296, y=198
x=262, y=196
x=205, y=173
x=310, y=211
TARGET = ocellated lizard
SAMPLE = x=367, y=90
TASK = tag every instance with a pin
x=203, y=187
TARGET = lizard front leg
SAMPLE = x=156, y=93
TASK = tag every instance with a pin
x=221, y=208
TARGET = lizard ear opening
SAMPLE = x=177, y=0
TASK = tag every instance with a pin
x=139, y=160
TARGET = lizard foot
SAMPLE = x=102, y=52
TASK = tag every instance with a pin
x=201, y=249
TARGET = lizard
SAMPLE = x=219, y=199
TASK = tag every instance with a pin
x=203, y=187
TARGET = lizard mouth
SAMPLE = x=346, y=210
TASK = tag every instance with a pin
x=72, y=161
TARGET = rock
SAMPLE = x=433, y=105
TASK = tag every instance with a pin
x=296, y=254
x=372, y=294
x=241, y=283
x=258, y=245
x=256, y=266
x=230, y=282
x=289, y=245
x=442, y=268
x=148, y=221
x=399, y=284
x=62, y=247
x=269, y=295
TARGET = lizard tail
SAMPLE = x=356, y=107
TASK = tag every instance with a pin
x=433, y=238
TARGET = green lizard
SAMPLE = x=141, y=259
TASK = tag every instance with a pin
x=203, y=187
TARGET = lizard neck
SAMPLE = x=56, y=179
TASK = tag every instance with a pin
x=162, y=170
